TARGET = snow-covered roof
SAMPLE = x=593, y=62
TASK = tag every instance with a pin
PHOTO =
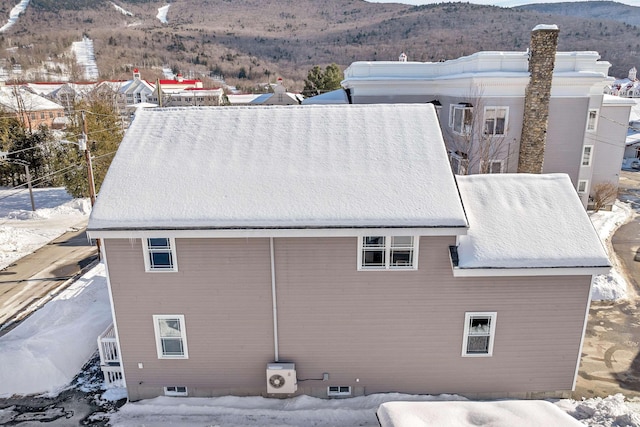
x=519, y=221
x=289, y=167
x=29, y=101
x=338, y=96
x=502, y=413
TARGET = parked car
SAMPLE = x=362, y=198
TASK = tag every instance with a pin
x=635, y=164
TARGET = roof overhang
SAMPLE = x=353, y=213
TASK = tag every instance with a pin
x=197, y=233
x=534, y=271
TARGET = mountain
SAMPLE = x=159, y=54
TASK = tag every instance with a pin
x=255, y=41
x=600, y=10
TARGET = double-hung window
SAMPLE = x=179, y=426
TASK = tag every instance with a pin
x=495, y=120
x=492, y=166
x=160, y=254
x=461, y=118
x=388, y=253
x=171, y=336
x=479, y=333
x=582, y=186
x=587, y=155
x=592, y=120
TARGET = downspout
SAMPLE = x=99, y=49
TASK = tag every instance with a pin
x=274, y=301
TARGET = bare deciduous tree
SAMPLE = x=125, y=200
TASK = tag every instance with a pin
x=476, y=136
x=603, y=194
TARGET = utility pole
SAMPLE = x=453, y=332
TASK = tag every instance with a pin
x=84, y=144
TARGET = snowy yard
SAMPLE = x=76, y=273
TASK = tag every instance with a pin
x=35, y=356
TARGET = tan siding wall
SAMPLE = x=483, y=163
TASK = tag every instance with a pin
x=391, y=330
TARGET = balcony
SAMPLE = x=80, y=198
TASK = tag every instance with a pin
x=110, y=358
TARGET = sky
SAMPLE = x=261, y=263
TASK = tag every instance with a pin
x=39, y=350
x=503, y=3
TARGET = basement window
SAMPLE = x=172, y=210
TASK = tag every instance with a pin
x=175, y=391
x=338, y=391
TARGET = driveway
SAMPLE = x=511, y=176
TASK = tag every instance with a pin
x=611, y=351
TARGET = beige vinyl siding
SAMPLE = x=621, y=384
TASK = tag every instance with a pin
x=391, y=330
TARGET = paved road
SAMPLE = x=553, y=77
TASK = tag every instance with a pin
x=611, y=351
x=31, y=278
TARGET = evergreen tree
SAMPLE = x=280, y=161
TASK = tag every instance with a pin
x=319, y=81
x=104, y=133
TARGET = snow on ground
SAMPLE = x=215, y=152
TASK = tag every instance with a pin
x=610, y=286
x=162, y=13
x=35, y=357
x=122, y=10
x=22, y=231
x=14, y=14
x=46, y=351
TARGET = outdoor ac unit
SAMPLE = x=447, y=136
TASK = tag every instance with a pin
x=281, y=378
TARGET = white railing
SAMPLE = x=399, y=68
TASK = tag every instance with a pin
x=110, y=358
x=108, y=347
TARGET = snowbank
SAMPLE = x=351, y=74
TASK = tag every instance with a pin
x=22, y=230
x=162, y=13
x=610, y=286
x=45, y=352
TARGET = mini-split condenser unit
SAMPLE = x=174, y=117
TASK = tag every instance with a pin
x=281, y=378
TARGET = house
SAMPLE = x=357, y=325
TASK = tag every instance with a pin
x=481, y=101
x=31, y=109
x=330, y=251
x=279, y=96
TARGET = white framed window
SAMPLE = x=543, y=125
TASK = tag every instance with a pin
x=583, y=184
x=587, y=155
x=461, y=118
x=592, y=120
x=495, y=120
x=479, y=333
x=171, y=336
x=159, y=254
x=334, y=391
x=492, y=166
x=459, y=165
x=175, y=390
x=388, y=253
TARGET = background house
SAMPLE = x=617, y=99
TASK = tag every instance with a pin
x=481, y=105
x=31, y=109
x=330, y=251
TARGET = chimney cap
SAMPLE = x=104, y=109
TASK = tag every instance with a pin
x=548, y=27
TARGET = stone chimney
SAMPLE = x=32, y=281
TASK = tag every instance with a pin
x=542, y=55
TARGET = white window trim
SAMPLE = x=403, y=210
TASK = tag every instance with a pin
x=506, y=120
x=492, y=332
x=338, y=393
x=169, y=392
x=590, y=159
x=183, y=335
x=595, y=123
x=388, y=267
x=586, y=186
x=147, y=262
x=463, y=164
x=482, y=163
x=452, y=109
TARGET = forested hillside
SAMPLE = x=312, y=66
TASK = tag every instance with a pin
x=252, y=41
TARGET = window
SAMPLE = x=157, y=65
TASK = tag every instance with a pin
x=160, y=254
x=459, y=165
x=175, y=391
x=495, y=120
x=479, y=331
x=460, y=118
x=582, y=186
x=492, y=166
x=338, y=391
x=587, y=155
x=388, y=253
x=171, y=337
x=592, y=120
x=41, y=116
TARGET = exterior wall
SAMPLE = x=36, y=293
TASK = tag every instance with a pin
x=608, y=141
x=376, y=331
x=563, y=152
